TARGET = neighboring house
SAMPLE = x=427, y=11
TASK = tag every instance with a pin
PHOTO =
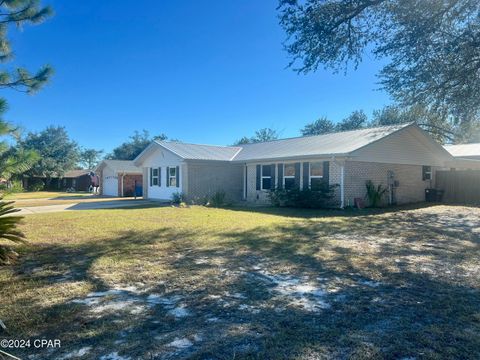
x=119, y=178
x=73, y=179
x=76, y=179
x=464, y=151
x=467, y=156
x=403, y=158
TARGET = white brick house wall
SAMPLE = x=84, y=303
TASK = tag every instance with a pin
x=411, y=185
x=261, y=196
x=205, y=179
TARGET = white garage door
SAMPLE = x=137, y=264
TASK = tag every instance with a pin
x=110, y=186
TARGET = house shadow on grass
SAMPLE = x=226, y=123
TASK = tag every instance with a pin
x=316, y=213
x=296, y=289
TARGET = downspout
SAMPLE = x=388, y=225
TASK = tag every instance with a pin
x=245, y=182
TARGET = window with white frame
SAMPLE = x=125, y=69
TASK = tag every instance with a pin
x=427, y=172
x=172, y=176
x=316, y=175
x=266, y=177
x=289, y=176
x=154, y=173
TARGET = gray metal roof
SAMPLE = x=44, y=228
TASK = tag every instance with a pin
x=76, y=173
x=120, y=166
x=464, y=150
x=201, y=152
x=329, y=144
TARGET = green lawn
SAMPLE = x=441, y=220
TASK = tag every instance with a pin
x=155, y=283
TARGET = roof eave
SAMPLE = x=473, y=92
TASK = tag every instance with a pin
x=293, y=158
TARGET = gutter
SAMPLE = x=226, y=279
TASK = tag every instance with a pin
x=299, y=157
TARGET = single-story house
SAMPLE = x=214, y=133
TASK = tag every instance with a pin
x=119, y=178
x=464, y=151
x=403, y=158
x=76, y=179
x=79, y=180
x=467, y=156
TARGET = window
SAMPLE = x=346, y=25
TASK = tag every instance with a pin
x=172, y=176
x=266, y=177
x=316, y=175
x=289, y=176
x=154, y=173
x=427, y=172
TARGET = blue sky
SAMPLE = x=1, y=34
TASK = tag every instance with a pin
x=206, y=72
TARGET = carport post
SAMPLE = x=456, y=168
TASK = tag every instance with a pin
x=121, y=184
x=342, y=186
x=341, y=163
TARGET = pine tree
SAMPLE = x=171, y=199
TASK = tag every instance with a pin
x=20, y=13
x=15, y=160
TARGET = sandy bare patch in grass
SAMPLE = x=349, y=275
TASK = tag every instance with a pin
x=168, y=283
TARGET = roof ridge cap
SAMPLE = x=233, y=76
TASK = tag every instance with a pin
x=399, y=126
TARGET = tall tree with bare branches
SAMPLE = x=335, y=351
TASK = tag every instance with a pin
x=431, y=47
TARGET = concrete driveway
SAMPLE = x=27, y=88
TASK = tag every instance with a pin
x=90, y=205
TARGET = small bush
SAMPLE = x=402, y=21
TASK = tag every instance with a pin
x=12, y=187
x=375, y=194
x=15, y=186
x=278, y=197
x=177, y=198
x=218, y=199
x=36, y=185
x=307, y=198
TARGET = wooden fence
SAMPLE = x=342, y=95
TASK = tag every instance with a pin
x=460, y=187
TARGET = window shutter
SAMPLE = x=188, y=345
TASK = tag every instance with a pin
x=151, y=176
x=306, y=175
x=297, y=175
x=177, y=173
x=259, y=169
x=159, y=176
x=280, y=176
x=167, y=177
x=273, y=184
x=326, y=173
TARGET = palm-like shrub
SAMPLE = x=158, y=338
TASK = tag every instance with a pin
x=218, y=199
x=9, y=231
x=375, y=194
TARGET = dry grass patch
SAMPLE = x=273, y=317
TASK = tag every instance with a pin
x=266, y=283
x=44, y=195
